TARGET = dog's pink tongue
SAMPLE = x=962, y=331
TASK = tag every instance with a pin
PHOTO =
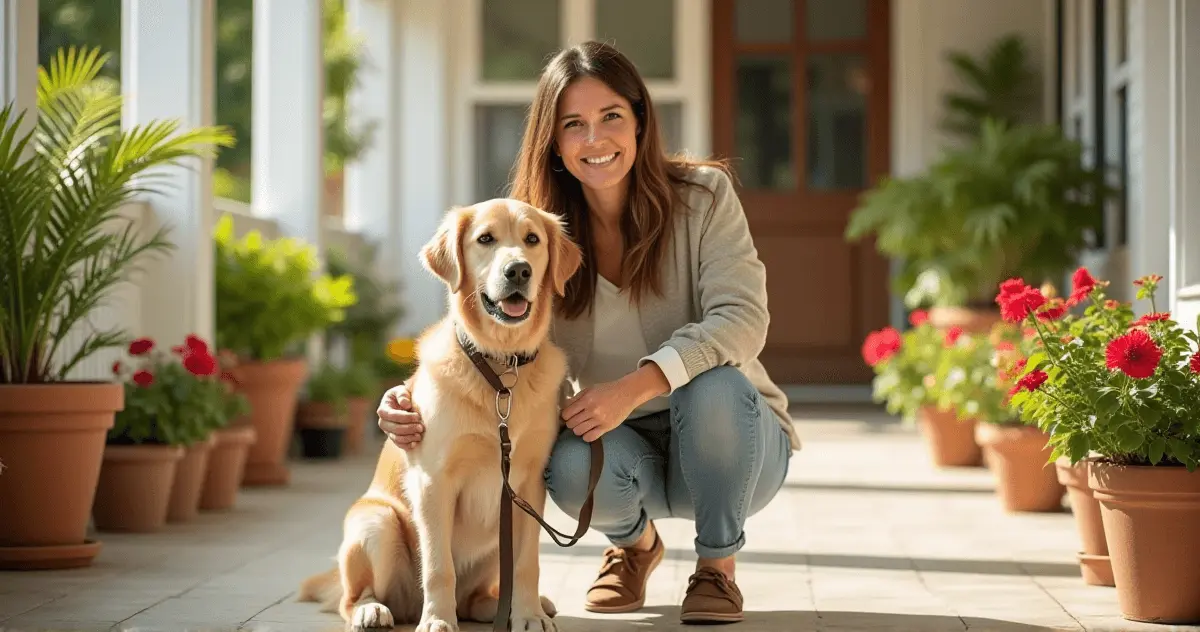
x=514, y=306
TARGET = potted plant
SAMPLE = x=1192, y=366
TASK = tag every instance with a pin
x=204, y=396
x=65, y=244
x=1119, y=394
x=359, y=385
x=904, y=366
x=270, y=299
x=974, y=377
x=231, y=448
x=321, y=417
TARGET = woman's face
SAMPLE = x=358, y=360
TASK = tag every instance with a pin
x=596, y=134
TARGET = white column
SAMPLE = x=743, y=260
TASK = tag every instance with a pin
x=167, y=73
x=288, y=89
x=424, y=157
x=19, y=57
x=372, y=188
x=1149, y=142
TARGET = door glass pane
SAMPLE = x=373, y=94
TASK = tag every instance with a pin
x=763, y=133
x=763, y=21
x=518, y=38
x=644, y=30
x=498, y=131
x=835, y=19
x=670, y=123
x=837, y=122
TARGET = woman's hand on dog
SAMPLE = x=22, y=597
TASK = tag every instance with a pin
x=398, y=420
x=599, y=409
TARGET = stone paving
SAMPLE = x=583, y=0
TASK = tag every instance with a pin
x=866, y=535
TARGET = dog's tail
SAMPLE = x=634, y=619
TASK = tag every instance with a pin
x=324, y=588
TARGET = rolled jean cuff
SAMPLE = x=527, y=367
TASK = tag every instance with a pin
x=633, y=536
x=717, y=553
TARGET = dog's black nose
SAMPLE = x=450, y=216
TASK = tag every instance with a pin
x=518, y=271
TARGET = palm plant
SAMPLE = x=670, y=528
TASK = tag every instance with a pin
x=64, y=242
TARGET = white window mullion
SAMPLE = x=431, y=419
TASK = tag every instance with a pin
x=578, y=21
x=19, y=58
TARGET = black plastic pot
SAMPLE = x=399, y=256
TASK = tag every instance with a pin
x=321, y=443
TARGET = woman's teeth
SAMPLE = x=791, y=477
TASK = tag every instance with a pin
x=600, y=160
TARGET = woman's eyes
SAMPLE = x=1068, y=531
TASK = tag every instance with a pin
x=611, y=116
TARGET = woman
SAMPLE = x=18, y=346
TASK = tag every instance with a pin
x=694, y=429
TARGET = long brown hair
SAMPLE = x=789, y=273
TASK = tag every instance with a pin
x=656, y=179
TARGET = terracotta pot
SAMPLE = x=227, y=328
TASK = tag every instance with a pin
x=226, y=466
x=1152, y=524
x=1020, y=462
x=135, y=487
x=970, y=320
x=271, y=388
x=189, y=481
x=51, y=443
x=357, y=409
x=1094, y=563
x=951, y=442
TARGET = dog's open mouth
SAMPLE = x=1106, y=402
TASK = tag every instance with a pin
x=510, y=309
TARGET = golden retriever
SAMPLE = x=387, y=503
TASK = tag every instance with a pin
x=421, y=544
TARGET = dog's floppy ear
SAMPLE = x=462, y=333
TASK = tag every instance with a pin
x=565, y=255
x=443, y=255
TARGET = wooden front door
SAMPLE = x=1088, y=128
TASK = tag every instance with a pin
x=800, y=105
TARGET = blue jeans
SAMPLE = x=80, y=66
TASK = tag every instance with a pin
x=717, y=457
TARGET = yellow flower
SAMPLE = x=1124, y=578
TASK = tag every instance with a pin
x=402, y=350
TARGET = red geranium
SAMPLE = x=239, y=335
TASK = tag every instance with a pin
x=1152, y=317
x=1052, y=310
x=1033, y=380
x=200, y=364
x=918, y=318
x=953, y=334
x=1082, y=283
x=143, y=378
x=1135, y=353
x=1017, y=300
x=1195, y=363
x=880, y=345
x=141, y=346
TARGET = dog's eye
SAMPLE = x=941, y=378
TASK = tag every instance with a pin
x=532, y=239
x=486, y=238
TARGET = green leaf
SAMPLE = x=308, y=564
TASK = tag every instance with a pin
x=1128, y=438
x=1157, y=446
x=1108, y=402
x=1179, y=449
x=1079, y=445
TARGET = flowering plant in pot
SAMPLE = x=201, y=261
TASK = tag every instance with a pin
x=321, y=416
x=360, y=383
x=1119, y=394
x=270, y=299
x=904, y=365
x=65, y=245
x=975, y=377
x=173, y=401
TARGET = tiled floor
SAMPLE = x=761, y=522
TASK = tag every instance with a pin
x=865, y=536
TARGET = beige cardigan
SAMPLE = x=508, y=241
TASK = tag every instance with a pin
x=713, y=307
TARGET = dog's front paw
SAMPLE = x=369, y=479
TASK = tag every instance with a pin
x=372, y=616
x=549, y=607
x=434, y=623
x=534, y=619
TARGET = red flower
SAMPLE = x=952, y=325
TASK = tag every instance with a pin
x=1033, y=380
x=1082, y=284
x=116, y=367
x=143, y=378
x=880, y=345
x=1149, y=279
x=141, y=346
x=1052, y=310
x=1111, y=304
x=1195, y=363
x=200, y=363
x=179, y=350
x=196, y=344
x=1004, y=345
x=1134, y=353
x=918, y=318
x=1152, y=317
x=1016, y=303
x=952, y=335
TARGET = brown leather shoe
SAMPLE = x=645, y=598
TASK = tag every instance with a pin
x=711, y=598
x=621, y=584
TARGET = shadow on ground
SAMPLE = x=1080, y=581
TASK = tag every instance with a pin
x=667, y=618
x=874, y=562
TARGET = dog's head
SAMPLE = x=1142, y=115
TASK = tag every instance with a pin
x=503, y=261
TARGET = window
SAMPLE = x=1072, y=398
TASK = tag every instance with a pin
x=510, y=41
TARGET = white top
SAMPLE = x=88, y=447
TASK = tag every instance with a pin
x=618, y=347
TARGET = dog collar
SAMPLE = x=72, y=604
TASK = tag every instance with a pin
x=473, y=352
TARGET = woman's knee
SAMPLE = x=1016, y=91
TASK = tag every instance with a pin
x=567, y=472
x=716, y=416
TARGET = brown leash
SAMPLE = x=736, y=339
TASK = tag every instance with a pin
x=502, y=622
